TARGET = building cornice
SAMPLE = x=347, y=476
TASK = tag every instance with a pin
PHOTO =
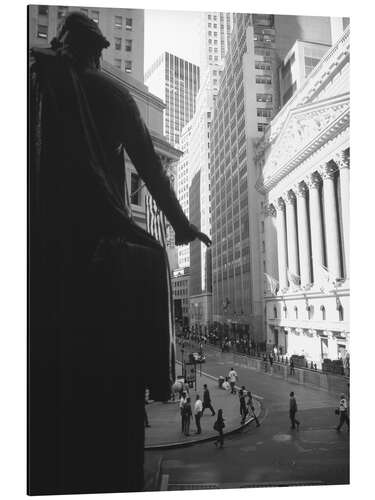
x=307, y=129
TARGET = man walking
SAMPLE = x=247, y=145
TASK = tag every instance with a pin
x=198, y=408
x=343, y=412
x=207, y=400
x=182, y=405
x=292, y=411
x=232, y=375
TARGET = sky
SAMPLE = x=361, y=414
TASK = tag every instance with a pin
x=171, y=31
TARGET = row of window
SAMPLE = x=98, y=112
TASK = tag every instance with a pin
x=310, y=311
x=128, y=44
x=266, y=80
x=128, y=65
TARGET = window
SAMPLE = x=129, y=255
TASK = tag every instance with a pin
x=42, y=31
x=118, y=22
x=43, y=10
x=128, y=66
x=285, y=309
x=264, y=97
x=275, y=312
x=210, y=33
x=117, y=63
x=128, y=45
x=129, y=24
x=266, y=80
x=310, y=63
x=262, y=65
x=61, y=12
x=264, y=112
x=341, y=312
x=118, y=43
x=323, y=309
x=296, y=312
x=95, y=16
x=262, y=127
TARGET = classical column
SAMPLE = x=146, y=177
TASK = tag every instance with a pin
x=303, y=234
x=291, y=229
x=342, y=160
x=317, y=240
x=281, y=244
x=331, y=221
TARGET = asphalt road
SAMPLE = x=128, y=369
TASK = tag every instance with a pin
x=272, y=454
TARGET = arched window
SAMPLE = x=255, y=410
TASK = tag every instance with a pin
x=275, y=312
x=296, y=312
x=341, y=313
x=285, y=309
x=309, y=312
x=323, y=309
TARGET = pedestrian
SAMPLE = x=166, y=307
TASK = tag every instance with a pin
x=244, y=391
x=275, y=351
x=219, y=426
x=243, y=409
x=265, y=362
x=251, y=408
x=187, y=416
x=343, y=412
x=198, y=407
x=226, y=384
x=232, y=375
x=271, y=359
x=292, y=411
x=291, y=365
x=207, y=400
x=181, y=405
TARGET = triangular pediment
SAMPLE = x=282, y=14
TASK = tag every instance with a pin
x=304, y=130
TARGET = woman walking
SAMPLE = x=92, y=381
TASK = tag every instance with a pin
x=219, y=426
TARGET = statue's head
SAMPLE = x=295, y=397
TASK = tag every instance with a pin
x=80, y=38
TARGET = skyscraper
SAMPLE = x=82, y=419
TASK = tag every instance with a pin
x=176, y=82
x=123, y=28
x=248, y=98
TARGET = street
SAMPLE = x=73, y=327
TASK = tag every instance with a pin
x=272, y=454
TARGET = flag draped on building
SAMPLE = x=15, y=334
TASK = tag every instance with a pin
x=327, y=281
x=293, y=278
x=272, y=283
x=155, y=220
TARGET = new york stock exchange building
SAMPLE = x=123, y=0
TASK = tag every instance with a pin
x=304, y=162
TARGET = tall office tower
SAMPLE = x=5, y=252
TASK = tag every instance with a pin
x=215, y=30
x=248, y=98
x=123, y=28
x=176, y=82
x=182, y=189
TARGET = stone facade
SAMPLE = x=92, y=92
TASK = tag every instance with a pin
x=304, y=163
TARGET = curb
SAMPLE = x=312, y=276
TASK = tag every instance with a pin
x=180, y=444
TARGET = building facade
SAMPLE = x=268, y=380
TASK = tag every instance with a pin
x=182, y=189
x=181, y=291
x=248, y=99
x=123, y=28
x=304, y=164
x=176, y=82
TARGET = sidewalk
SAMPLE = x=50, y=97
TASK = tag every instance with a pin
x=165, y=419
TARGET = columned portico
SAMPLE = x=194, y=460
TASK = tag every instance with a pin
x=281, y=244
x=291, y=227
x=317, y=240
x=331, y=220
x=303, y=234
x=342, y=160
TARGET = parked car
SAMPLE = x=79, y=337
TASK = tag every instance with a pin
x=198, y=358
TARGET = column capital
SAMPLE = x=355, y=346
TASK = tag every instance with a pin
x=280, y=205
x=313, y=180
x=300, y=189
x=269, y=210
x=327, y=171
x=342, y=159
x=289, y=197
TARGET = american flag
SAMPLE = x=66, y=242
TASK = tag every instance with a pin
x=155, y=221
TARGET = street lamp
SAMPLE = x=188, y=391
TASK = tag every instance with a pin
x=182, y=362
